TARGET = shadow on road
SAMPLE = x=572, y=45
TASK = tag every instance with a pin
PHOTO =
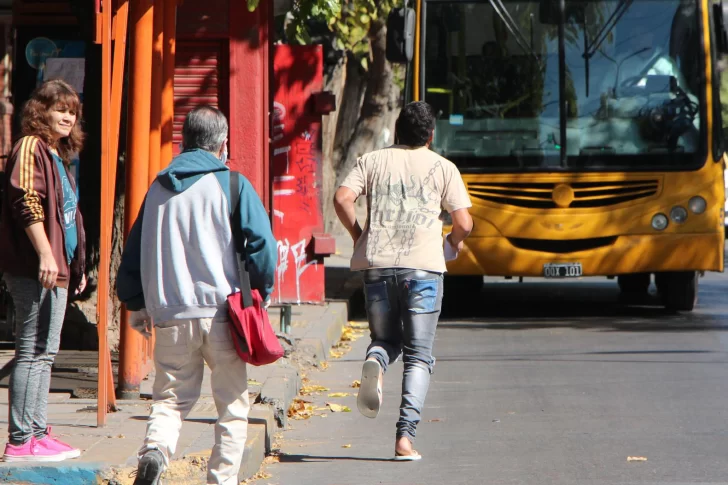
x=284, y=458
x=580, y=305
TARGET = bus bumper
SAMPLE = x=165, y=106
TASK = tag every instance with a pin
x=497, y=256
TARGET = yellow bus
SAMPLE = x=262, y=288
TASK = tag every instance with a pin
x=588, y=134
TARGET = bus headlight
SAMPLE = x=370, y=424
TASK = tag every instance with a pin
x=697, y=205
x=659, y=222
x=679, y=214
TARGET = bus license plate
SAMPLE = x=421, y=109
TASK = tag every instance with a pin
x=562, y=270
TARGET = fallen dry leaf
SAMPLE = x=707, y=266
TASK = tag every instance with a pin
x=261, y=475
x=335, y=355
x=253, y=382
x=636, y=458
x=270, y=459
x=339, y=394
x=350, y=334
x=324, y=365
x=359, y=325
x=356, y=384
x=434, y=420
x=300, y=409
x=346, y=446
x=313, y=389
x=338, y=408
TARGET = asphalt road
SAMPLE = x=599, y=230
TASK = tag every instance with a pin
x=540, y=383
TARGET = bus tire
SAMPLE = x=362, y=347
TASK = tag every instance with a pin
x=634, y=285
x=678, y=290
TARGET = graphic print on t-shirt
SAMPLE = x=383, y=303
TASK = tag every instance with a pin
x=69, y=203
x=70, y=206
x=398, y=209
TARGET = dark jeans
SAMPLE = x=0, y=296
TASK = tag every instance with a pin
x=403, y=306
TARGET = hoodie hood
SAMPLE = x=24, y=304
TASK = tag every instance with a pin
x=189, y=167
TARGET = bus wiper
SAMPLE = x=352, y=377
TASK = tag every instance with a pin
x=512, y=27
x=611, y=22
x=589, y=51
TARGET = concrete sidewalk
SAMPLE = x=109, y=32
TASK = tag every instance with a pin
x=109, y=454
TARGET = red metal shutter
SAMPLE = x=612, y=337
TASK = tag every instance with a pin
x=199, y=77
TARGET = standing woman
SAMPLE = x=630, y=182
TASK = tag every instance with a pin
x=42, y=252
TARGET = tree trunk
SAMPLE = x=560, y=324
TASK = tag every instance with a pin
x=336, y=135
x=335, y=84
x=372, y=129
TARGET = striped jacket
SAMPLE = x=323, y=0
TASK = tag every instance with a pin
x=33, y=194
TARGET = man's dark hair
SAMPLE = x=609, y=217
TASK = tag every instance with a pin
x=205, y=128
x=415, y=124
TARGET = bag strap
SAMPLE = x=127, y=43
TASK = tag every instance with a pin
x=239, y=240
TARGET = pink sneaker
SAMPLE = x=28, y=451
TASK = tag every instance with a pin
x=53, y=444
x=31, y=451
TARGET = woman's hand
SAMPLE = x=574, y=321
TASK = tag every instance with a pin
x=48, y=270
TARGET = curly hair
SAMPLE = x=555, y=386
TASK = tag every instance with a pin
x=36, y=120
x=415, y=124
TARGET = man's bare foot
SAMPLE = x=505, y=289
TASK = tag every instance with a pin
x=403, y=447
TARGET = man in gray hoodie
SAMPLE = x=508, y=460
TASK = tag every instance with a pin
x=178, y=268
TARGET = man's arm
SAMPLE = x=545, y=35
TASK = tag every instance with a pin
x=129, y=287
x=26, y=191
x=462, y=225
x=261, y=247
x=344, y=204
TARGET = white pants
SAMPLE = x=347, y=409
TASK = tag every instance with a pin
x=179, y=350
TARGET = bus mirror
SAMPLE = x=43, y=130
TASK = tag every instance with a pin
x=400, y=35
x=720, y=21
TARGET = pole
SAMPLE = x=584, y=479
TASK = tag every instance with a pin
x=131, y=355
x=168, y=56
x=107, y=213
x=155, y=132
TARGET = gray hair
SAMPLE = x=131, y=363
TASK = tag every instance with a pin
x=205, y=128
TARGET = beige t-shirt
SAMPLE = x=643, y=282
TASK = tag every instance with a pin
x=406, y=189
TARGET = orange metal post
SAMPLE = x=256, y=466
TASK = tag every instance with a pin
x=131, y=355
x=155, y=132
x=117, y=81
x=107, y=210
x=120, y=23
x=169, y=49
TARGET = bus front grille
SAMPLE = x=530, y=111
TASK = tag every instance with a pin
x=562, y=246
x=572, y=195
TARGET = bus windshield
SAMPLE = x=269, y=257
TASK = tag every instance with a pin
x=633, y=84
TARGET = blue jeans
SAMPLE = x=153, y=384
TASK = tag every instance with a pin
x=403, y=306
x=39, y=319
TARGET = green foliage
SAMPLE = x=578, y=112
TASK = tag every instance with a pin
x=348, y=20
x=723, y=77
x=253, y=4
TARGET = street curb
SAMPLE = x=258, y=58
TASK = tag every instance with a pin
x=279, y=390
x=316, y=343
x=255, y=452
x=260, y=414
x=85, y=474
